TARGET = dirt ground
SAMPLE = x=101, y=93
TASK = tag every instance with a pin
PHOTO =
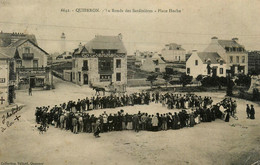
x=218, y=142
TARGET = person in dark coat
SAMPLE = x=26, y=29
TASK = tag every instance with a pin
x=228, y=115
x=252, y=112
x=176, y=121
x=136, y=123
x=248, y=111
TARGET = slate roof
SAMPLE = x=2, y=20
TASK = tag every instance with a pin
x=106, y=42
x=212, y=56
x=229, y=43
x=7, y=52
x=22, y=41
x=173, y=46
x=6, y=38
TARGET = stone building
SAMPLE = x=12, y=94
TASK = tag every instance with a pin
x=173, y=52
x=30, y=59
x=234, y=54
x=254, y=62
x=100, y=62
x=205, y=64
x=153, y=64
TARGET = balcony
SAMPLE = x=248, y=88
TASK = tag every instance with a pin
x=28, y=56
x=31, y=69
x=85, y=68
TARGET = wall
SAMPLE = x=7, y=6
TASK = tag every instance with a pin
x=170, y=55
x=148, y=65
x=196, y=70
x=215, y=47
x=4, y=74
x=92, y=72
x=66, y=75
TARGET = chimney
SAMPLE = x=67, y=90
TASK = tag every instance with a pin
x=214, y=39
x=80, y=46
x=235, y=39
x=120, y=36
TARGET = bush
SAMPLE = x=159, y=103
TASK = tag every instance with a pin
x=243, y=80
x=214, y=81
x=199, y=77
x=256, y=94
x=185, y=79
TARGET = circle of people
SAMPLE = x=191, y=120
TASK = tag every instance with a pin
x=75, y=116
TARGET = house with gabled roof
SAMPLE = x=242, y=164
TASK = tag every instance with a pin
x=233, y=53
x=173, y=52
x=8, y=38
x=155, y=63
x=205, y=64
x=30, y=59
x=99, y=62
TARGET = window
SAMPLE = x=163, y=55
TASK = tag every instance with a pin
x=243, y=59
x=188, y=70
x=231, y=59
x=35, y=63
x=221, y=71
x=196, y=62
x=157, y=69
x=105, y=78
x=227, y=49
x=118, y=63
x=73, y=76
x=105, y=64
x=19, y=63
x=27, y=50
x=118, y=76
x=79, y=76
x=85, y=65
x=237, y=59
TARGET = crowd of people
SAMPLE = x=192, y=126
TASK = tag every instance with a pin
x=193, y=109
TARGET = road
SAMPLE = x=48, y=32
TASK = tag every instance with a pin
x=236, y=142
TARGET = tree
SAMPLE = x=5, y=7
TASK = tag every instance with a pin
x=167, y=78
x=199, y=78
x=185, y=79
x=244, y=80
x=152, y=78
x=230, y=85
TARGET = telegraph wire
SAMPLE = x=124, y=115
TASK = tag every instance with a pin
x=120, y=29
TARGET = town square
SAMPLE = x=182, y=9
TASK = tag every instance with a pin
x=157, y=86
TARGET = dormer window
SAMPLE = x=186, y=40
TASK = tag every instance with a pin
x=221, y=62
x=227, y=49
x=26, y=50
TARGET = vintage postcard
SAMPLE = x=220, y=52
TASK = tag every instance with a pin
x=128, y=82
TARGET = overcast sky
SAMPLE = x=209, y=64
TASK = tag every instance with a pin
x=192, y=28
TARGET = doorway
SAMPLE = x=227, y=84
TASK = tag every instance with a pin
x=85, y=78
x=11, y=94
x=32, y=82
